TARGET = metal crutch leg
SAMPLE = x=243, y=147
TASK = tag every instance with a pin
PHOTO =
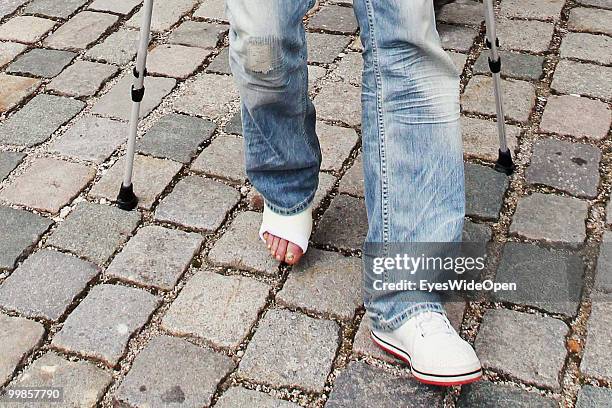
x=504, y=161
x=127, y=200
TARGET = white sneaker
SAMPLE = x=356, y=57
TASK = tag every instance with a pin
x=434, y=350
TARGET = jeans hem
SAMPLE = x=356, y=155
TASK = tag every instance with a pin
x=293, y=210
x=397, y=321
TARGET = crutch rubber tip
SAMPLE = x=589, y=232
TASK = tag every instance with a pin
x=126, y=199
x=504, y=162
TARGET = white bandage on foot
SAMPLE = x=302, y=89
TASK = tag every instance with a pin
x=293, y=228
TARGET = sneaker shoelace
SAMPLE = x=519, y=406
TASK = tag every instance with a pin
x=431, y=323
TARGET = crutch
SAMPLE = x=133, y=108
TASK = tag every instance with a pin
x=504, y=162
x=127, y=200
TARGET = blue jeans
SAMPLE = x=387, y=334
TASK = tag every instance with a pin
x=411, y=136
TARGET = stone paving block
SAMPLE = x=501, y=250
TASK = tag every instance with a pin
x=336, y=145
x=605, y=4
x=165, y=14
x=118, y=48
x=339, y=101
x=175, y=61
x=240, y=246
x=173, y=372
x=198, y=203
x=314, y=74
x=13, y=90
x=220, y=64
x=38, y=119
x=324, y=282
x=334, y=18
x=524, y=35
x=94, y=231
x=48, y=184
x=532, y=9
x=234, y=125
x=176, y=137
x=233, y=304
x=91, y=138
x=290, y=349
x=198, y=34
x=550, y=217
x=473, y=232
x=519, y=97
x=481, y=138
x=115, y=6
x=339, y=230
x=25, y=29
x=571, y=167
x=598, y=349
x=214, y=9
x=485, y=189
x=466, y=12
x=326, y=184
x=102, y=324
x=587, y=47
x=547, y=279
x=349, y=69
x=9, y=6
x=54, y=8
x=81, y=30
x=540, y=341
x=458, y=58
x=362, y=385
x=45, y=284
x=590, y=19
x=324, y=48
x=18, y=338
x=82, y=382
x=514, y=65
x=583, y=79
x=117, y=103
x=456, y=38
x=485, y=394
x=603, y=277
x=25, y=231
x=83, y=78
x=147, y=189
x=575, y=116
x=593, y=397
x=353, y=182
x=41, y=62
x=9, y=50
x=224, y=158
x=8, y=162
x=242, y=397
x=207, y=96
x=156, y=257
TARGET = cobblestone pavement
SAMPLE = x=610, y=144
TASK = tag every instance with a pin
x=178, y=303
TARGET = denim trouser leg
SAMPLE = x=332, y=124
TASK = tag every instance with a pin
x=268, y=61
x=412, y=151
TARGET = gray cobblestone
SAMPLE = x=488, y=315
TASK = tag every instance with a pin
x=353, y=182
x=18, y=337
x=165, y=14
x=590, y=19
x=207, y=96
x=324, y=282
x=9, y=50
x=514, y=65
x=155, y=257
x=175, y=61
x=484, y=202
x=524, y=35
x=176, y=137
x=233, y=304
x=171, y=371
x=38, y=119
x=46, y=284
x=8, y=162
x=336, y=145
x=118, y=48
x=41, y=62
x=481, y=140
x=234, y=125
x=115, y=6
x=334, y=18
x=324, y=48
x=104, y=321
x=605, y=4
x=83, y=383
x=242, y=397
x=339, y=101
x=571, y=167
x=536, y=9
x=473, y=232
x=26, y=229
x=94, y=231
x=220, y=64
x=485, y=394
x=290, y=349
x=198, y=34
x=48, y=184
x=598, y=348
x=81, y=30
x=456, y=38
x=13, y=90
x=593, y=397
x=466, y=12
x=83, y=78
x=587, y=47
x=583, y=79
x=603, y=277
x=540, y=341
x=224, y=158
x=9, y=6
x=26, y=29
x=52, y=8
x=339, y=230
x=198, y=203
x=575, y=116
x=214, y=9
x=550, y=217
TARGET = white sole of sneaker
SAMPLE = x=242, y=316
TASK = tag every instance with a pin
x=445, y=380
